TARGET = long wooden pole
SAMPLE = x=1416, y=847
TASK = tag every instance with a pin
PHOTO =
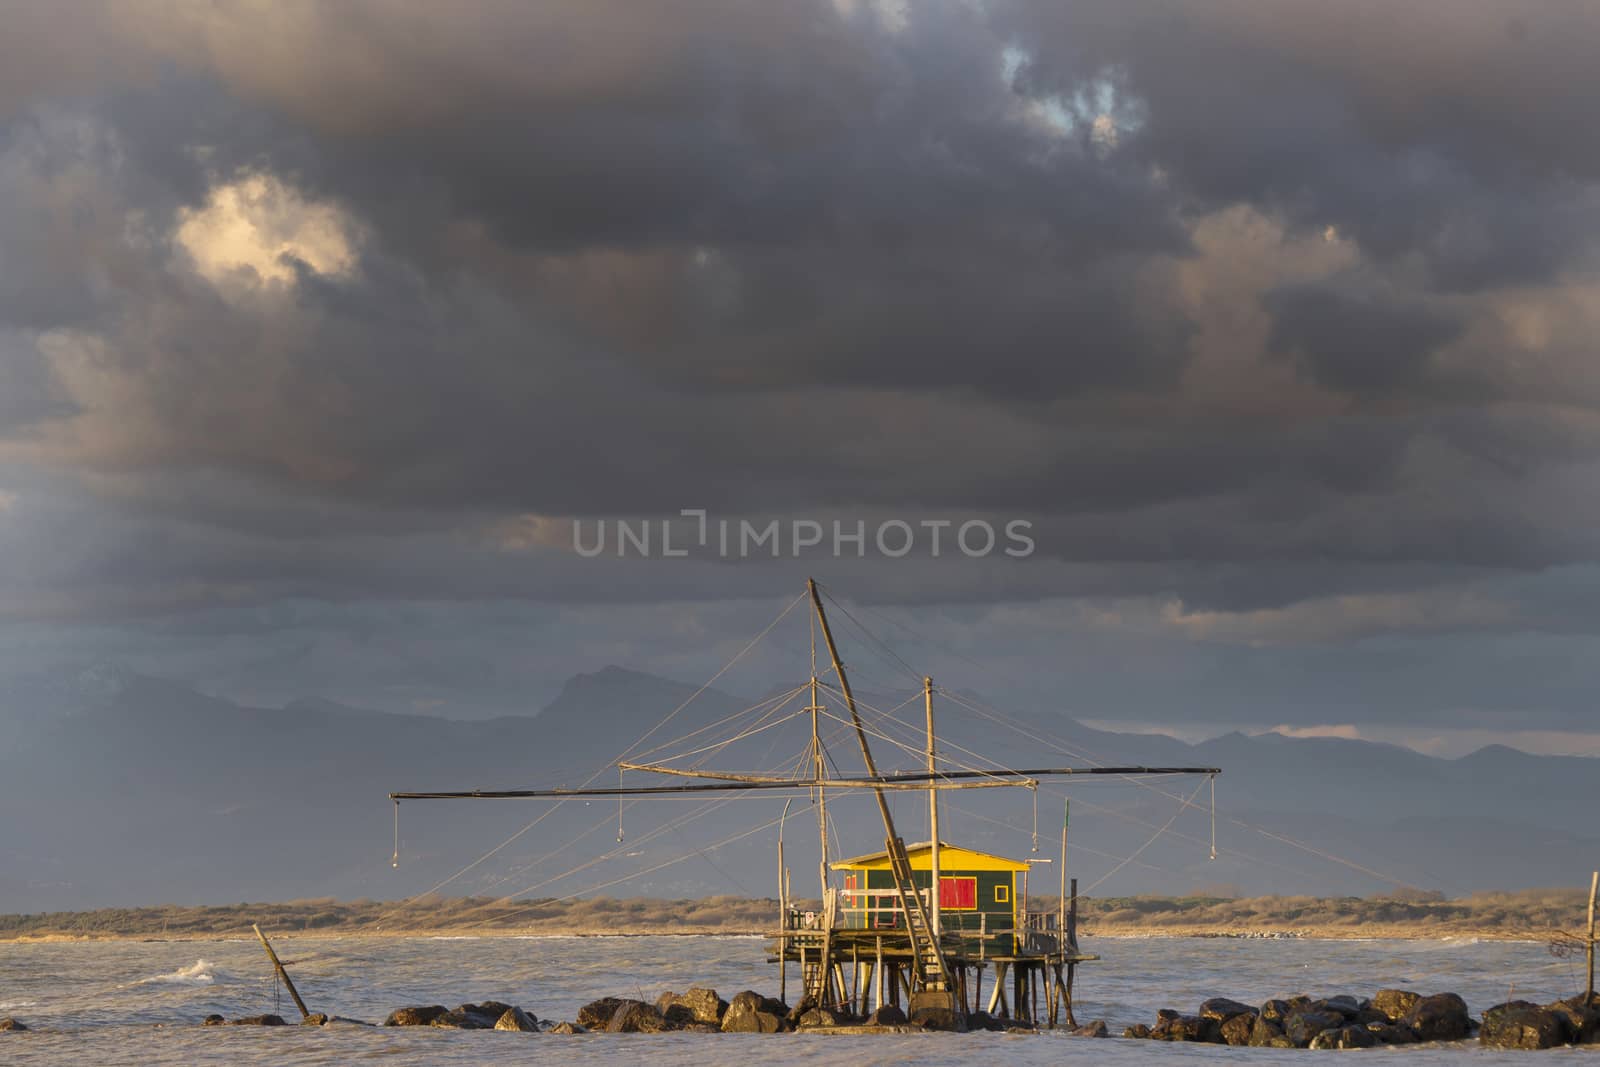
x=1594, y=884
x=283, y=974
x=934, y=885
x=819, y=771
x=1061, y=921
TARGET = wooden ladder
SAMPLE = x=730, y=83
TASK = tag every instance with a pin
x=816, y=976
x=931, y=968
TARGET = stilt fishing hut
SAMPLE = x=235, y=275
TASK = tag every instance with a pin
x=884, y=936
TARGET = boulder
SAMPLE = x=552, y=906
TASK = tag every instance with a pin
x=820, y=1017
x=259, y=1020
x=1276, y=1011
x=1222, y=1009
x=596, y=1014
x=1395, y=1003
x=461, y=1020
x=1306, y=1023
x=8, y=1023
x=636, y=1017
x=750, y=1021
x=754, y=1001
x=1137, y=1030
x=416, y=1016
x=1187, y=1028
x=1441, y=1017
x=517, y=1019
x=1237, y=1029
x=703, y=1005
x=1344, y=1037
x=982, y=1020
x=888, y=1015
x=1097, y=1028
x=1263, y=1032
x=1583, y=1020
x=1520, y=1024
x=316, y=1018
x=482, y=1016
x=1392, y=1033
x=210, y=1020
x=568, y=1028
x=1347, y=1006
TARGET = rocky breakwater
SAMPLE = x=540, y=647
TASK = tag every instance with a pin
x=1523, y=1024
x=1391, y=1017
x=488, y=1015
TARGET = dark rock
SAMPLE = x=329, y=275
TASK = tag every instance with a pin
x=210, y=1020
x=1369, y=1015
x=8, y=1023
x=1305, y=1024
x=259, y=1020
x=636, y=1017
x=817, y=1017
x=596, y=1014
x=517, y=1019
x=316, y=1018
x=1344, y=1037
x=1223, y=1009
x=1237, y=1030
x=751, y=1013
x=888, y=1015
x=1392, y=1033
x=1520, y=1024
x=492, y=1008
x=750, y=1022
x=982, y=1020
x=461, y=1020
x=1347, y=1006
x=1137, y=1030
x=1275, y=1011
x=1441, y=1017
x=703, y=1005
x=1097, y=1028
x=569, y=1028
x=418, y=1016
x=1264, y=1032
x=1188, y=1028
x=1395, y=1003
x=1583, y=1020
x=1167, y=1015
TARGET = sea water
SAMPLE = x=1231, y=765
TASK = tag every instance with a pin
x=143, y=1002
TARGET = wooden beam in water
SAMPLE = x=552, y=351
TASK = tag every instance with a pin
x=283, y=974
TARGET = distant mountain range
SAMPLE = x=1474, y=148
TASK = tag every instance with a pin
x=120, y=789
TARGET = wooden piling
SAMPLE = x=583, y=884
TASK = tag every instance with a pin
x=1594, y=884
x=283, y=974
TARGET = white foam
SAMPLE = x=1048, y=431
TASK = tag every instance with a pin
x=200, y=972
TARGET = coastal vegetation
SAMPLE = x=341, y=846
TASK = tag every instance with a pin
x=1523, y=914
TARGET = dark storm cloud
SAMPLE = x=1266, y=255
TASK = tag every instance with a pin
x=1244, y=305
x=1357, y=341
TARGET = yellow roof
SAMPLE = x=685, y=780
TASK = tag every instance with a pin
x=951, y=858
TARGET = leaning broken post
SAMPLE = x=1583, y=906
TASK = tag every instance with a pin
x=283, y=974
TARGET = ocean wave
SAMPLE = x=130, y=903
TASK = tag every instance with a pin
x=11, y=1005
x=200, y=972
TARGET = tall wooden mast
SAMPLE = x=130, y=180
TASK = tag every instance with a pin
x=931, y=971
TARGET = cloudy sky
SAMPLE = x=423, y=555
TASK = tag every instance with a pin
x=321, y=324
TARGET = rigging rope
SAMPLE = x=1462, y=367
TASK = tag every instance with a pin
x=622, y=756
x=1181, y=808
